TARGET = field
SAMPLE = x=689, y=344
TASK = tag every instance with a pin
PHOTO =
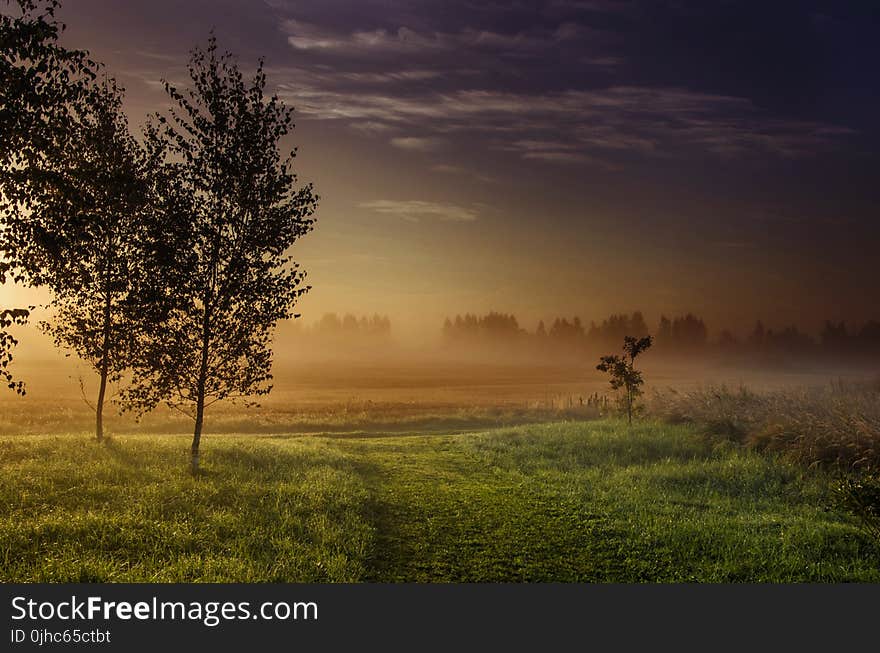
x=373, y=397
x=427, y=471
x=559, y=501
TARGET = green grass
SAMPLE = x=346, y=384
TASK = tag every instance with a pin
x=565, y=501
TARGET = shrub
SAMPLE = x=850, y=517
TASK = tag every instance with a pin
x=861, y=497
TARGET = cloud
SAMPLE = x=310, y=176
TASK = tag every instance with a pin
x=581, y=125
x=310, y=37
x=391, y=76
x=417, y=143
x=370, y=127
x=415, y=210
x=537, y=87
x=557, y=156
x=305, y=36
x=557, y=152
x=602, y=62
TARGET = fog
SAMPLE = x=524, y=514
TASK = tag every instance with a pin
x=356, y=373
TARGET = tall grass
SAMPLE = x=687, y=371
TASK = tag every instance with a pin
x=836, y=425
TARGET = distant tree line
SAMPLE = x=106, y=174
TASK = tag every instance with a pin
x=331, y=325
x=496, y=326
x=681, y=334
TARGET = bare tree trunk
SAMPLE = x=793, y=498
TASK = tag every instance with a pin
x=99, y=406
x=629, y=406
x=197, y=433
x=200, y=395
x=630, y=392
x=105, y=366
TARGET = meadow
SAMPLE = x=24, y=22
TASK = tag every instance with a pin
x=361, y=472
x=558, y=501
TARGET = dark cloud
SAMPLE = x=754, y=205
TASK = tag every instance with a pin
x=555, y=81
x=575, y=125
x=416, y=210
x=549, y=81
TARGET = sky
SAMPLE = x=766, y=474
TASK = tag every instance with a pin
x=556, y=158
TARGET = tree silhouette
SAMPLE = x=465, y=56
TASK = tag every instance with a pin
x=664, y=332
x=42, y=86
x=94, y=217
x=623, y=373
x=492, y=327
x=726, y=339
x=233, y=211
x=617, y=326
x=349, y=330
x=758, y=335
x=564, y=332
x=541, y=330
x=689, y=332
x=8, y=317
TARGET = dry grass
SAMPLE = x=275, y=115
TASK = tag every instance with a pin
x=835, y=425
x=350, y=417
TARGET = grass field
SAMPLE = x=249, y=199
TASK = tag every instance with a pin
x=562, y=501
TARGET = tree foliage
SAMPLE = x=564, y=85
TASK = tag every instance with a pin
x=94, y=236
x=9, y=317
x=42, y=87
x=624, y=375
x=232, y=212
x=41, y=82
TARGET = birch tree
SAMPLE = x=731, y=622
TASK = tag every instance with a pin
x=234, y=210
x=94, y=231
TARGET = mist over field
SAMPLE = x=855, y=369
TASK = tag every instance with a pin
x=354, y=373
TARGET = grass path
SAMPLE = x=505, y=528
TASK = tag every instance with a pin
x=593, y=502
x=441, y=515
x=567, y=501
